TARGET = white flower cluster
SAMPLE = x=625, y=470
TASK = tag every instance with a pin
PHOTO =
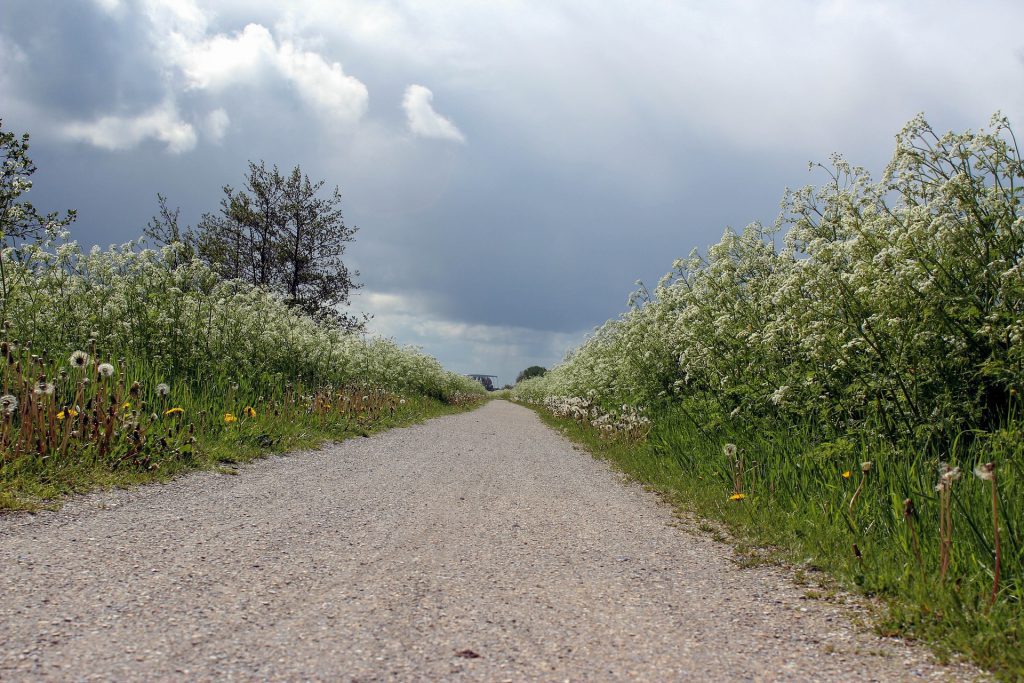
x=894, y=308
x=185, y=321
x=628, y=421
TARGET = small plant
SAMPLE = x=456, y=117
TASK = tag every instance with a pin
x=732, y=454
x=865, y=467
x=909, y=513
x=987, y=472
x=947, y=476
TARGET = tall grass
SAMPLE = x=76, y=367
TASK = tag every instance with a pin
x=874, y=331
x=132, y=363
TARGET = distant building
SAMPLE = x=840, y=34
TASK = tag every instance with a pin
x=485, y=380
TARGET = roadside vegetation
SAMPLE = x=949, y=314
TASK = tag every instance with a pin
x=133, y=364
x=844, y=387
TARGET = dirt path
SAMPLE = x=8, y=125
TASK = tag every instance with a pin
x=484, y=534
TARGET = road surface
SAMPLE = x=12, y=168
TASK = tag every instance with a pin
x=480, y=546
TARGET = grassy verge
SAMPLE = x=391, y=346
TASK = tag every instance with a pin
x=799, y=508
x=34, y=483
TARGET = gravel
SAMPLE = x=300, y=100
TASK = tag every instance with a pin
x=481, y=546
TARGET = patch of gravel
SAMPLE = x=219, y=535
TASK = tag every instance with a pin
x=480, y=546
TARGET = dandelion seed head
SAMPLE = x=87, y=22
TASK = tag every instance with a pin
x=79, y=359
x=866, y=466
x=8, y=403
x=105, y=370
x=730, y=450
x=43, y=388
x=162, y=390
x=985, y=471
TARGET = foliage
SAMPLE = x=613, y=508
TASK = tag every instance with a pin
x=221, y=346
x=277, y=233
x=19, y=219
x=532, y=371
x=875, y=322
x=796, y=510
x=130, y=363
x=191, y=324
x=891, y=309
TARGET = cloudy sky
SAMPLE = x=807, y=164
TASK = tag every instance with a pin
x=512, y=166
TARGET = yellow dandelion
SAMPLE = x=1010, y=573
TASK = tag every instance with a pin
x=737, y=496
x=174, y=411
x=127, y=405
x=847, y=474
x=70, y=412
x=249, y=411
x=229, y=418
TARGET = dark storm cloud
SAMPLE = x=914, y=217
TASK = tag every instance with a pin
x=80, y=60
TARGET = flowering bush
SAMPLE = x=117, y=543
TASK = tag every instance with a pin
x=891, y=308
x=625, y=422
x=130, y=363
x=189, y=324
x=879, y=323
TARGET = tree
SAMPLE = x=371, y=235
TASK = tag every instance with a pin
x=312, y=243
x=243, y=239
x=278, y=233
x=19, y=220
x=532, y=371
x=164, y=228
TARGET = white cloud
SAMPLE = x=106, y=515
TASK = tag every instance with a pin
x=183, y=17
x=161, y=123
x=108, y=5
x=216, y=124
x=214, y=63
x=220, y=61
x=422, y=118
x=198, y=60
x=323, y=85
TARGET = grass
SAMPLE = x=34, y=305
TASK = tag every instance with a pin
x=799, y=509
x=132, y=365
x=30, y=483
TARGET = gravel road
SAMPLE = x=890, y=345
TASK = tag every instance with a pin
x=480, y=546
